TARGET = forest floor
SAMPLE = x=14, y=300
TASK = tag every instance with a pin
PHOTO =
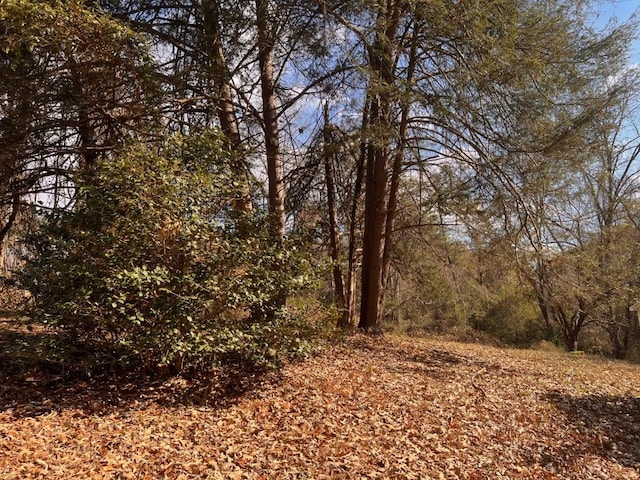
x=364, y=408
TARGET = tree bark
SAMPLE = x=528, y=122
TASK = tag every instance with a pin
x=397, y=165
x=378, y=158
x=571, y=327
x=275, y=168
x=224, y=99
x=353, y=227
x=338, y=283
x=543, y=296
x=86, y=131
x=13, y=215
x=220, y=73
x=374, y=221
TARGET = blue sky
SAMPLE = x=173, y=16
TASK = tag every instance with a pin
x=621, y=10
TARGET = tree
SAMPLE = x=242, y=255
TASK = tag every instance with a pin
x=334, y=241
x=465, y=83
x=275, y=169
x=228, y=65
x=560, y=210
x=75, y=84
x=497, y=92
x=610, y=181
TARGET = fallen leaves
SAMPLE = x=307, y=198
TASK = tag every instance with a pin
x=367, y=408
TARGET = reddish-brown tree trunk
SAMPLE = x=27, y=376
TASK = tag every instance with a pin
x=397, y=166
x=378, y=159
x=374, y=220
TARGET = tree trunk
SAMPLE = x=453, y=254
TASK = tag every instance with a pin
x=338, y=283
x=544, y=310
x=617, y=348
x=220, y=73
x=378, y=159
x=353, y=227
x=619, y=332
x=569, y=335
x=13, y=215
x=86, y=131
x=397, y=164
x=571, y=341
x=375, y=210
x=14, y=132
x=224, y=99
x=275, y=168
x=571, y=327
x=538, y=281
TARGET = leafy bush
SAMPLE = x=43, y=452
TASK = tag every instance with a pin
x=512, y=318
x=154, y=263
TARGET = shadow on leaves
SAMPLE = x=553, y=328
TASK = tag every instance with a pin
x=612, y=423
x=39, y=375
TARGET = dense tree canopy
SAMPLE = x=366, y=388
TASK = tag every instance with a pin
x=75, y=83
x=462, y=162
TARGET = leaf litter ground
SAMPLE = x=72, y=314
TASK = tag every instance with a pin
x=365, y=408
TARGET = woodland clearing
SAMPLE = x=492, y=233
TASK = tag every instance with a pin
x=363, y=408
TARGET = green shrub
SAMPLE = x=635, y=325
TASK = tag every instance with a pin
x=512, y=318
x=155, y=264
